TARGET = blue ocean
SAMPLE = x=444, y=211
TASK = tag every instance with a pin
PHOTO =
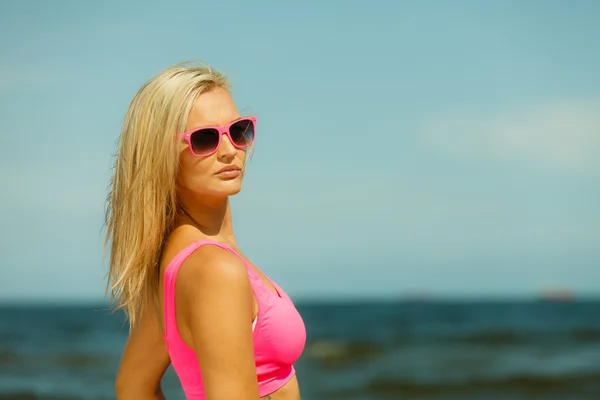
x=429, y=350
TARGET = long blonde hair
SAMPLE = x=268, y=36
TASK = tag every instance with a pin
x=142, y=202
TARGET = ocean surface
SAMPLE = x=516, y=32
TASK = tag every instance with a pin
x=356, y=351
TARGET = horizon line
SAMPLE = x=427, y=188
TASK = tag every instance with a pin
x=336, y=299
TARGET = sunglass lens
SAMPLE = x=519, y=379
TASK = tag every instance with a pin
x=204, y=141
x=242, y=132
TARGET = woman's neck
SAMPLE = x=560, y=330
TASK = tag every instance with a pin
x=212, y=218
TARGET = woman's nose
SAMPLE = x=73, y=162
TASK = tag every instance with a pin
x=226, y=148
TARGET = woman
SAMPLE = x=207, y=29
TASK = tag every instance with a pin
x=192, y=298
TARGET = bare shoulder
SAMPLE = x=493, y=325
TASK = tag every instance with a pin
x=206, y=261
x=211, y=270
x=215, y=300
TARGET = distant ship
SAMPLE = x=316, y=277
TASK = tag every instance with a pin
x=556, y=294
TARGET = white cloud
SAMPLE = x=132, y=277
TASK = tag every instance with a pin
x=559, y=136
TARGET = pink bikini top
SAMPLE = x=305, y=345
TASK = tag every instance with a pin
x=279, y=334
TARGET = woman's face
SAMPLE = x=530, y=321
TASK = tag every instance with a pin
x=202, y=175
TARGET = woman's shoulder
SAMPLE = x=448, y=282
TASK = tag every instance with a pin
x=213, y=267
x=199, y=261
x=207, y=281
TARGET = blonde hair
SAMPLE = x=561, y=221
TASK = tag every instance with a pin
x=142, y=201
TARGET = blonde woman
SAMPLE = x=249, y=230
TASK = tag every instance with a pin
x=192, y=298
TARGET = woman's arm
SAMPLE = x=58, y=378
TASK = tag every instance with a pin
x=144, y=362
x=216, y=304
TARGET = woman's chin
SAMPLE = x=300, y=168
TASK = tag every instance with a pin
x=228, y=188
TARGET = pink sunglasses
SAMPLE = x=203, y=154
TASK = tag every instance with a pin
x=205, y=141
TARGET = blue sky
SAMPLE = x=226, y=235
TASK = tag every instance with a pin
x=403, y=147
